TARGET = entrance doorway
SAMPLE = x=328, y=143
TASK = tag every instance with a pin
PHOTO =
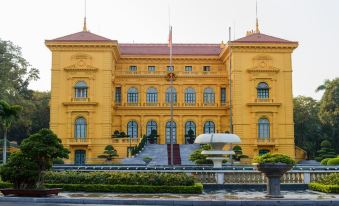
x=79, y=157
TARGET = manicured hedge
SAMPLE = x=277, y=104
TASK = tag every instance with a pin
x=323, y=188
x=194, y=189
x=333, y=161
x=119, y=178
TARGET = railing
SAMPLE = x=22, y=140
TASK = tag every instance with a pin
x=167, y=104
x=207, y=174
x=164, y=73
x=80, y=99
x=266, y=100
x=265, y=141
x=78, y=141
x=126, y=140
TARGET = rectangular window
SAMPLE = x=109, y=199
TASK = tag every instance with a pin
x=188, y=68
x=133, y=68
x=170, y=68
x=151, y=68
x=117, y=94
x=223, y=95
x=206, y=68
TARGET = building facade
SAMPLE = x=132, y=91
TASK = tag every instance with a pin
x=100, y=86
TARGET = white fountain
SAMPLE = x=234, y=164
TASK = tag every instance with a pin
x=217, y=154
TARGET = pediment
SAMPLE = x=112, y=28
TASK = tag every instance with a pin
x=81, y=62
x=262, y=63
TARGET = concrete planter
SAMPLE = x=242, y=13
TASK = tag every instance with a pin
x=31, y=193
x=273, y=172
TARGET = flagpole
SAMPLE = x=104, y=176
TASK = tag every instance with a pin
x=171, y=107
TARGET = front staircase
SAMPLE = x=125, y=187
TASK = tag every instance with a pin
x=176, y=154
x=160, y=156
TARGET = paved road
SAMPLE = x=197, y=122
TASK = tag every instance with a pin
x=47, y=204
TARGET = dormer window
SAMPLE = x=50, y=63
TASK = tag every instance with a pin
x=80, y=90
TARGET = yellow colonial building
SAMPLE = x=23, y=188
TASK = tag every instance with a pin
x=100, y=86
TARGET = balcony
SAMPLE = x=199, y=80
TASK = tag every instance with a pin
x=266, y=100
x=80, y=99
x=132, y=141
x=265, y=142
x=78, y=141
x=164, y=73
x=167, y=104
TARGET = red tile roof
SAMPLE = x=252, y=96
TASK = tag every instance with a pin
x=82, y=36
x=261, y=38
x=163, y=49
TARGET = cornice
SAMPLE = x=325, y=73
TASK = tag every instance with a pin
x=260, y=69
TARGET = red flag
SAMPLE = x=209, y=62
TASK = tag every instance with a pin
x=170, y=37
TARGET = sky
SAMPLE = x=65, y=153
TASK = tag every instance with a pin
x=313, y=23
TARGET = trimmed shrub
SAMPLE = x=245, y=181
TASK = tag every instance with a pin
x=323, y=187
x=274, y=158
x=122, y=178
x=324, y=161
x=193, y=189
x=333, y=161
x=332, y=179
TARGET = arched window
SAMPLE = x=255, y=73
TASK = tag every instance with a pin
x=208, y=95
x=132, y=95
x=168, y=95
x=189, y=95
x=80, y=89
x=168, y=132
x=151, y=125
x=209, y=127
x=263, y=128
x=263, y=91
x=80, y=128
x=132, y=129
x=190, y=132
x=152, y=95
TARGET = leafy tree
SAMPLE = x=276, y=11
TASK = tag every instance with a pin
x=307, y=126
x=8, y=113
x=109, y=153
x=25, y=168
x=326, y=151
x=190, y=136
x=329, y=109
x=16, y=73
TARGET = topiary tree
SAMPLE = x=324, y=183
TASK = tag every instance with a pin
x=199, y=158
x=190, y=136
x=109, y=153
x=238, y=152
x=152, y=138
x=326, y=151
x=333, y=161
x=25, y=168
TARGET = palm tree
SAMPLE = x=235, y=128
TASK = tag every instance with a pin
x=8, y=113
x=324, y=86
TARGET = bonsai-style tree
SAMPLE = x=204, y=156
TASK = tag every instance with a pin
x=25, y=168
x=117, y=134
x=147, y=160
x=153, y=136
x=8, y=113
x=238, y=152
x=109, y=153
x=199, y=158
x=190, y=136
x=326, y=151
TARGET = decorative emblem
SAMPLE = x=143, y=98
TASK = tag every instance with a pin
x=170, y=76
